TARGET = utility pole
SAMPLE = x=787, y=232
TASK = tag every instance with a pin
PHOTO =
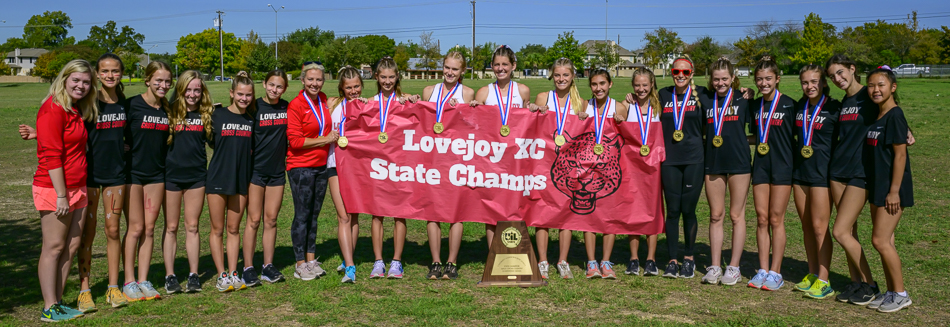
x=221, y=43
x=619, y=61
x=473, y=38
x=276, y=33
x=606, y=10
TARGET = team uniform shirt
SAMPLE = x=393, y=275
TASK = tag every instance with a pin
x=552, y=101
x=147, y=136
x=814, y=170
x=105, y=156
x=270, y=138
x=516, y=100
x=878, y=152
x=690, y=149
x=60, y=143
x=434, y=98
x=336, y=115
x=301, y=125
x=187, y=158
x=778, y=163
x=610, y=107
x=733, y=156
x=229, y=172
x=857, y=113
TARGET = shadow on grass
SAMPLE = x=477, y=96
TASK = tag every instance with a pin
x=21, y=241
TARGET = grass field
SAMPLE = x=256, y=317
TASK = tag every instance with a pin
x=922, y=240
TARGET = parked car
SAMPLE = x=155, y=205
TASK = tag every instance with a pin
x=218, y=79
x=911, y=69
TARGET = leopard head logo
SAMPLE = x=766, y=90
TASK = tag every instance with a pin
x=585, y=176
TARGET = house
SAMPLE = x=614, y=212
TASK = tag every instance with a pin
x=22, y=61
x=415, y=69
x=630, y=59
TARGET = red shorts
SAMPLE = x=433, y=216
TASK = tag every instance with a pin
x=44, y=198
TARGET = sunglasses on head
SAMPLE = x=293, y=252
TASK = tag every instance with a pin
x=313, y=62
x=686, y=72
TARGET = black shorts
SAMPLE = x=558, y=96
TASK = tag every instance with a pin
x=763, y=176
x=810, y=184
x=268, y=180
x=856, y=182
x=95, y=184
x=331, y=172
x=139, y=180
x=178, y=187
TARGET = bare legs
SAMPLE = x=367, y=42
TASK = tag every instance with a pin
x=849, y=200
x=61, y=238
x=716, y=196
x=564, y=244
x=814, y=208
x=266, y=201
x=771, y=202
x=144, y=202
x=226, y=211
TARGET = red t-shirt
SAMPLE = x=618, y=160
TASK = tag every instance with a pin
x=60, y=143
x=303, y=124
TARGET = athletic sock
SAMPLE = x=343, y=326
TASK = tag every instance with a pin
x=904, y=293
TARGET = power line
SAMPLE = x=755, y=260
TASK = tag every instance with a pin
x=708, y=5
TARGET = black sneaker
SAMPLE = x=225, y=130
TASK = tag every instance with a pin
x=672, y=270
x=688, y=270
x=250, y=277
x=650, y=268
x=633, y=268
x=846, y=293
x=435, y=271
x=171, y=284
x=194, y=284
x=271, y=274
x=864, y=294
x=450, y=271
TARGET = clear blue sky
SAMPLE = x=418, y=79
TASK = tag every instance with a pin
x=501, y=21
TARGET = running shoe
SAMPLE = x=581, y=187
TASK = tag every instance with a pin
x=315, y=265
x=350, y=275
x=55, y=314
x=848, y=291
x=806, y=282
x=132, y=292
x=395, y=270
x=450, y=270
x=194, y=284
x=341, y=268
x=249, y=277
x=713, y=274
x=592, y=270
x=688, y=269
x=237, y=281
x=649, y=269
x=633, y=268
x=732, y=276
x=304, y=271
x=379, y=270
x=543, y=267
x=172, y=285
x=820, y=290
x=270, y=274
x=149, y=291
x=672, y=270
x=84, y=302
x=773, y=282
x=759, y=279
x=607, y=270
x=864, y=295
x=435, y=271
x=564, y=270
x=895, y=303
x=224, y=283
x=69, y=310
x=115, y=297
x=876, y=303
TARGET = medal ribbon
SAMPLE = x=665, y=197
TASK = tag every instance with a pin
x=342, y=116
x=320, y=118
x=561, y=113
x=767, y=125
x=440, y=105
x=678, y=113
x=384, y=111
x=808, y=126
x=644, y=126
x=720, y=114
x=504, y=107
x=599, y=120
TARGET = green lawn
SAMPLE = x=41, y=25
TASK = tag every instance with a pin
x=922, y=240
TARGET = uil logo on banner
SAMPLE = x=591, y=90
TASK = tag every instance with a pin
x=585, y=176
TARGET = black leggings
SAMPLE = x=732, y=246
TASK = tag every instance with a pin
x=308, y=187
x=682, y=185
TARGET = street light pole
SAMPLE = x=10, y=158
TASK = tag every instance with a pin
x=275, y=30
x=148, y=55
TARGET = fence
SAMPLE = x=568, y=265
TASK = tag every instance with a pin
x=936, y=71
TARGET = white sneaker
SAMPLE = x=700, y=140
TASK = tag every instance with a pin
x=565, y=270
x=713, y=273
x=543, y=267
x=732, y=276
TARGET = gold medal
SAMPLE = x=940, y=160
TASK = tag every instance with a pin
x=505, y=130
x=383, y=137
x=559, y=140
x=598, y=149
x=678, y=135
x=763, y=148
x=342, y=141
x=644, y=150
x=807, y=151
x=717, y=141
x=438, y=128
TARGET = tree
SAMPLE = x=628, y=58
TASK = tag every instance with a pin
x=4, y=68
x=200, y=51
x=482, y=57
x=852, y=44
x=110, y=39
x=705, y=50
x=662, y=45
x=48, y=30
x=945, y=44
x=607, y=56
x=242, y=61
x=566, y=46
x=377, y=47
x=262, y=58
x=13, y=43
x=49, y=64
x=430, y=50
x=816, y=48
x=345, y=51
x=529, y=48
x=131, y=62
x=313, y=36
x=401, y=57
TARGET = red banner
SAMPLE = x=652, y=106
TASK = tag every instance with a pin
x=471, y=173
